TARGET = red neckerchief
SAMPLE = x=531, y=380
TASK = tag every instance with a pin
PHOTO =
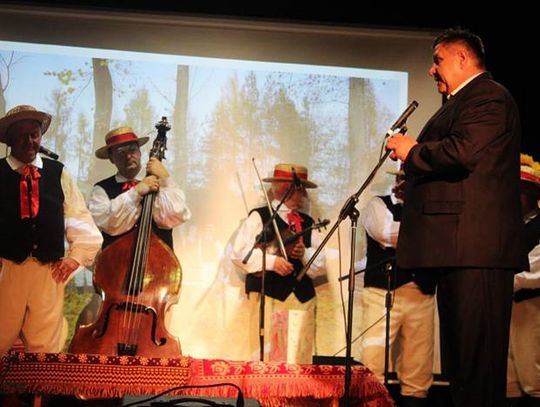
x=30, y=175
x=295, y=223
x=126, y=186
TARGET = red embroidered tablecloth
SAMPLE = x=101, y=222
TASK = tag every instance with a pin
x=272, y=384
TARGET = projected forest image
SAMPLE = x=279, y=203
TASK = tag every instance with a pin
x=224, y=115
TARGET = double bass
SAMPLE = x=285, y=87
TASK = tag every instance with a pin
x=138, y=277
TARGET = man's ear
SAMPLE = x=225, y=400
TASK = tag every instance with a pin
x=463, y=56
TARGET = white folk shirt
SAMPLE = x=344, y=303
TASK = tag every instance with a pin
x=119, y=215
x=530, y=279
x=379, y=222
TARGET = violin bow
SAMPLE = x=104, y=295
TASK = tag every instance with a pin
x=271, y=209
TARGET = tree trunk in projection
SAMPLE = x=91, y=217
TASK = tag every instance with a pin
x=357, y=128
x=178, y=140
x=2, y=101
x=103, y=109
x=2, y=97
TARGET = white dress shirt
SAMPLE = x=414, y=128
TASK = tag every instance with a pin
x=379, y=222
x=119, y=215
x=530, y=279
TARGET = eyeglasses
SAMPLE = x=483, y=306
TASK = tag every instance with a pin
x=126, y=149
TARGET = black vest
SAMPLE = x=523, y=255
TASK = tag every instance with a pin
x=378, y=257
x=532, y=239
x=41, y=237
x=277, y=286
x=113, y=189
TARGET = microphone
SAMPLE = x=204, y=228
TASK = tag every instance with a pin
x=296, y=179
x=400, y=122
x=48, y=153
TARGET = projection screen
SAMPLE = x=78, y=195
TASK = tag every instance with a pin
x=235, y=92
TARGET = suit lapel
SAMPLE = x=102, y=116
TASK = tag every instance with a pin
x=438, y=113
x=449, y=103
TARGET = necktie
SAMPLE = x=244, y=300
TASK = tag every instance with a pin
x=126, y=186
x=29, y=192
x=295, y=222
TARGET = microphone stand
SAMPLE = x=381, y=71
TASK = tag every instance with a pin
x=388, y=305
x=387, y=263
x=261, y=241
x=349, y=210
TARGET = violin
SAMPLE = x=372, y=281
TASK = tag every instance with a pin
x=278, y=286
x=290, y=237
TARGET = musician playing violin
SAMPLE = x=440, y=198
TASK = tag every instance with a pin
x=290, y=304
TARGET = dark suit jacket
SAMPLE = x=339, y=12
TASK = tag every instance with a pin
x=462, y=205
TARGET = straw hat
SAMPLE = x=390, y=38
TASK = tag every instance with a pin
x=116, y=137
x=23, y=112
x=284, y=173
x=529, y=170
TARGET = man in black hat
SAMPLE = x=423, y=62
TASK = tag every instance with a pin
x=41, y=206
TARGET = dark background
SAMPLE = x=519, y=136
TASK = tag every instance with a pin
x=506, y=29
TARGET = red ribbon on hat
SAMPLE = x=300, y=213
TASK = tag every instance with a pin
x=295, y=223
x=121, y=138
x=126, y=186
x=30, y=175
x=288, y=174
x=525, y=176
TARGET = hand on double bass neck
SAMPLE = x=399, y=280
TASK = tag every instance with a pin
x=156, y=167
x=156, y=173
x=147, y=185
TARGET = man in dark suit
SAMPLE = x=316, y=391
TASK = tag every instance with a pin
x=462, y=215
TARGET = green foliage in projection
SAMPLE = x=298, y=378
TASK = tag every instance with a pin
x=140, y=115
x=74, y=302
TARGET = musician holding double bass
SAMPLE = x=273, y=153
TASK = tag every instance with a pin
x=137, y=272
x=115, y=202
x=289, y=326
